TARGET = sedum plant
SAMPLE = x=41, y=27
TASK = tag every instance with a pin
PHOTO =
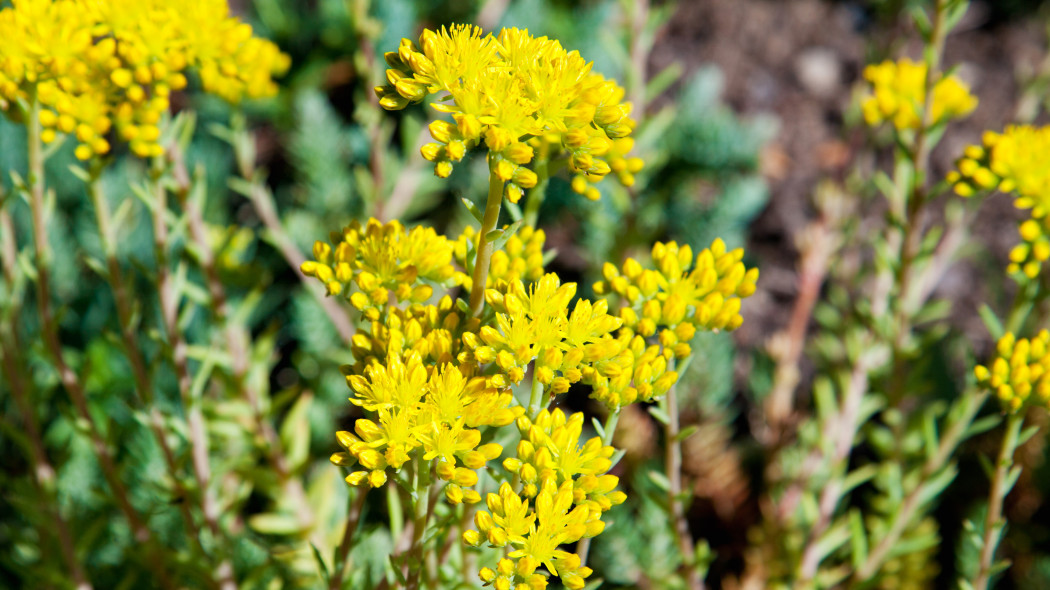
x=436, y=380
x=175, y=357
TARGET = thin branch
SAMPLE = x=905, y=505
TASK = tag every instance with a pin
x=143, y=382
x=352, y=519
x=673, y=469
x=12, y=362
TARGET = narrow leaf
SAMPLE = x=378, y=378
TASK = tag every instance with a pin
x=478, y=215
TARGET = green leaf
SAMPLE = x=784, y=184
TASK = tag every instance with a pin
x=80, y=173
x=272, y=523
x=983, y=425
x=858, y=538
x=507, y=234
x=659, y=414
x=858, y=476
x=513, y=209
x=660, y=480
x=921, y=20
x=663, y=80
x=295, y=432
x=938, y=483
x=991, y=322
x=321, y=565
x=474, y=211
x=598, y=428
x=687, y=432
x=1026, y=434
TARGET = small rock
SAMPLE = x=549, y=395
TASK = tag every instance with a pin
x=819, y=71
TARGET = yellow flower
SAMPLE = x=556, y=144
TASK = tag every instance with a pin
x=638, y=372
x=97, y=65
x=1020, y=373
x=506, y=92
x=704, y=293
x=1016, y=161
x=550, y=449
x=534, y=325
x=427, y=410
x=534, y=535
x=381, y=259
x=899, y=94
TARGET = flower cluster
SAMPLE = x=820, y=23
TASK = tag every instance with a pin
x=681, y=295
x=96, y=66
x=1016, y=161
x=534, y=533
x=534, y=324
x=517, y=94
x=569, y=487
x=521, y=258
x=1020, y=373
x=431, y=377
x=380, y=259
x=428, y=409
x=550, y=449
x=899, y=95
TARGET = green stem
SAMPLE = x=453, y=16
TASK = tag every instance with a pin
x=481, y=262
x=421, y=514
x=993, y=524
x=535, y=394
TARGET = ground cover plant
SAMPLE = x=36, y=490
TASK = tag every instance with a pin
x=443, y=295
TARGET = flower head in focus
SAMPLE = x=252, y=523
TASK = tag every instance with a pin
x=533, y=531
x=517, y=94
x=899, y=95
x=380, y=260
x=681, y=294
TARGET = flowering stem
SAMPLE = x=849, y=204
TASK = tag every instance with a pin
x=952, y=437
x=535, y=394
x=1002, y=481
x=481, y=262
x=673, y=468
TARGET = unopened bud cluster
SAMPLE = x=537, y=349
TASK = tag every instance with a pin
x=1020, y=373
